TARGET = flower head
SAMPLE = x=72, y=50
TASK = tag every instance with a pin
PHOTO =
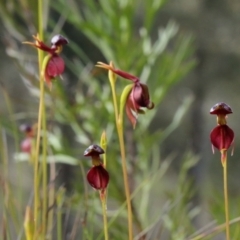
x=222, y=136
x=29, y=131
x=54, y=64
x=138, y=97
x=97, y=176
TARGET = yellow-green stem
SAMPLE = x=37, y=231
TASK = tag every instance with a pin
x=41, y=122
x=59, y=201
x=119, y=125
x=224, y=163
x=4, y=157
x=44, y=174
x=59, y=224
x=51, y=198
x=104, y=212
x=36, y=159
x=112, y=83
x=125, y=176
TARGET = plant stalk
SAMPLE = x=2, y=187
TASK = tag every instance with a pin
x=119, y=125
x=104, y=212
x=225, y=185
x=41, y=124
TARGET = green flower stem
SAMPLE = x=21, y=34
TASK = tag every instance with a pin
x=103, y=144
x=59, y=201
x=41, y=127
x=224, y=164
x=125, y=176
x=4, y=157
x=59, y=224
x=103, y=193
x=112, y=83
x=104, y=212
x=119, y=125
x=51, y=197
x=44, y=175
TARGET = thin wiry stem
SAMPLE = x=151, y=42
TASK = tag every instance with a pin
x=41, y=122
x=104, y=212
x=119, y=125
x=225, y=186
x=103, y=193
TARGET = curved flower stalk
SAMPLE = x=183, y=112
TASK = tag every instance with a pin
x=53, y=64
x=98, y=177
x=49, y=67
x=134, y=98
x=222, y=138
x=138, y=96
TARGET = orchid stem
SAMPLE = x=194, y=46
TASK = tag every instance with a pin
x=224, y=163
x=41, y=124
x=103, y=193
x=119, y=125
x=104, y=211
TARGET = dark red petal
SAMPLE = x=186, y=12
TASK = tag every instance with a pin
x=55, y=67
x=141, y=96
x=98, y=177
x=137, y=93
x=221, y=109
x=125, y=75
x=41, y=45
x=222, y=137
x=93, y=150
x=59, y=40
x=26, y=145
x=130, y=108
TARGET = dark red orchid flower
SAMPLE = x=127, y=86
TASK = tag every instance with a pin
x=55, y=64
x=222, y=136
x=97, y=176
x=26, y=145
x=138, y=97
x=29, y=131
